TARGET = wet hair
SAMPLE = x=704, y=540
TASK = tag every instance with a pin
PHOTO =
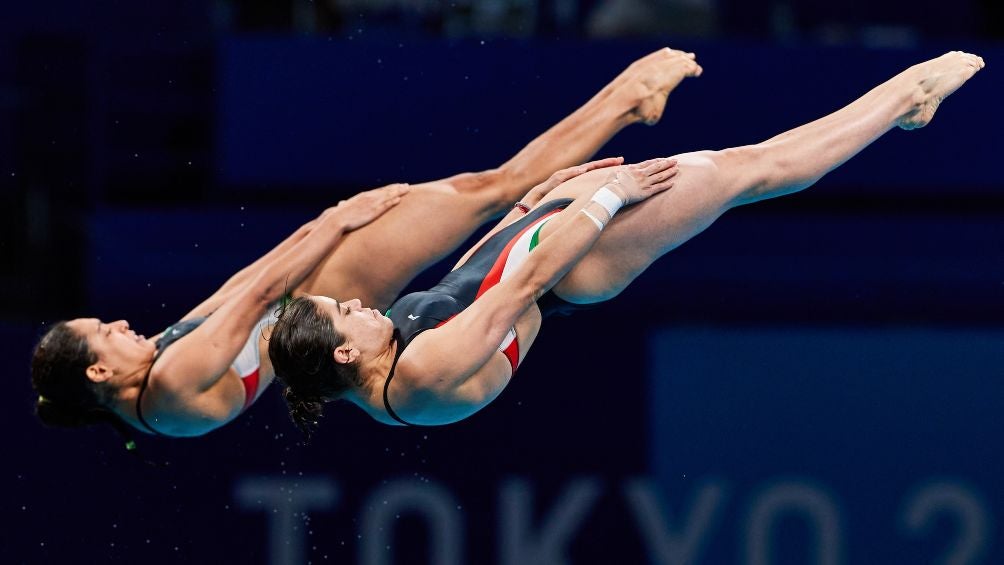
x=301, y=348
x=66, y=397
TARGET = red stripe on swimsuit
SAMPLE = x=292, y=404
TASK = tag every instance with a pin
x=250, y=383
x=511, y=351
x=495, y=273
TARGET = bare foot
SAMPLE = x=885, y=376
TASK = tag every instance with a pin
x=653, y=77
x=934, y=80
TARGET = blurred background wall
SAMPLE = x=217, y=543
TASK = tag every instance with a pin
x=816, y=379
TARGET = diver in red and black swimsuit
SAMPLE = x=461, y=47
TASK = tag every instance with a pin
x=497, y=257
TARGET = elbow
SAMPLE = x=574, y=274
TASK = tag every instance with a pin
x=535, y=287
x=541, y=278
x=518, y=298
x=476, y=396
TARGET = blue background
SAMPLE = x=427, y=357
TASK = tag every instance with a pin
x=836, y=353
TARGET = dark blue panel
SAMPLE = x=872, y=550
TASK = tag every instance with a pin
x=317, y=112
x=873, y=420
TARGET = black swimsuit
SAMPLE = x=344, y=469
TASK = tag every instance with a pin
x=417, y=312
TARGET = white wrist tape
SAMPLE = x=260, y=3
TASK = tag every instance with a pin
x=595, y=220
x=608, y=199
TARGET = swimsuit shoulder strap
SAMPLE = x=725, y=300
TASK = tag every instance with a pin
x=170, y=335
x=139, y=397
x=390, y=376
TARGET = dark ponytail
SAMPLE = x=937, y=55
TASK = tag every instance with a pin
x=304, y=413
x=301, y=348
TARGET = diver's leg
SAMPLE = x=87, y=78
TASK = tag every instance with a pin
x=711, y=182
x=376, y=262
x=638, y=94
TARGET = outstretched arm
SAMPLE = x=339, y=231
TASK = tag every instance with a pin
x=198, y=360
x=446, y=358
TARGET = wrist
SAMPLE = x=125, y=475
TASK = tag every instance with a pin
x=525, y=204
x=618, y=190
x=334, y=222
x=610, y=198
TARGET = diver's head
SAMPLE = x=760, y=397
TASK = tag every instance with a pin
x=320, y=349
x=79, y=366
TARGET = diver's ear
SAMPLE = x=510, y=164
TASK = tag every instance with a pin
x=345, y=354
x=98, y=373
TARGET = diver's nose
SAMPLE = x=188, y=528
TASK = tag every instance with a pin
x=355, y=304
x=122, y=324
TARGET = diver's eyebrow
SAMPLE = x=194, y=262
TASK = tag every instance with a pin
x=99, y=326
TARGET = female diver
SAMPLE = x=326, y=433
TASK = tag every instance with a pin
x=441, y=355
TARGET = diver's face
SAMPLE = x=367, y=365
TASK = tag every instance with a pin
x=365, y=330
x=117, y=347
